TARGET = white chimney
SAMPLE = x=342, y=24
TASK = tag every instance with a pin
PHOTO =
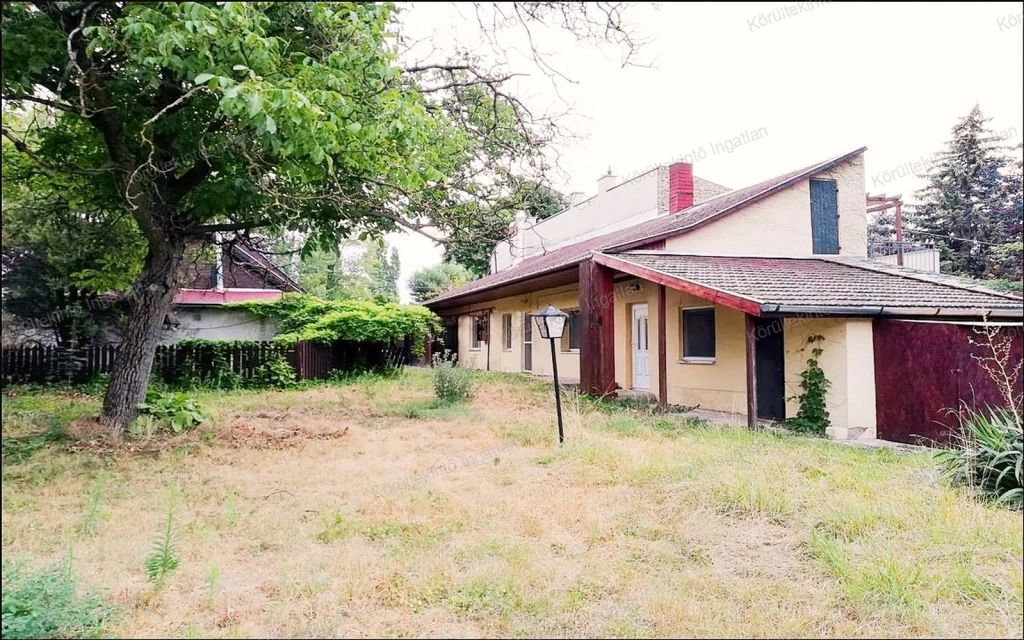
x=518, y=239
x=606, y=182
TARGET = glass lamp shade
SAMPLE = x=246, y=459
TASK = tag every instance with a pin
x=551, y=322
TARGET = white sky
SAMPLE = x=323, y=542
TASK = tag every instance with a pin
x=894, y=77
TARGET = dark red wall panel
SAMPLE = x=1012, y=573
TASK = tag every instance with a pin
x=924, y=369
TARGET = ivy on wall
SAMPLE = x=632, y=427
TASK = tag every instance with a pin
x=812, y=416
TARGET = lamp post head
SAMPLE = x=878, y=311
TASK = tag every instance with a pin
x=550, y=322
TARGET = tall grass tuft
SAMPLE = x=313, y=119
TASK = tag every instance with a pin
x=451, y=382
x=987, y=454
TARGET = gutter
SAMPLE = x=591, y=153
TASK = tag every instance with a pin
x=938, y=312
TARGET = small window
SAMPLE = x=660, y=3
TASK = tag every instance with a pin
x=571, y=335
x=196, y=317
x=698, y=334
x=479, y=330
x=506, y=330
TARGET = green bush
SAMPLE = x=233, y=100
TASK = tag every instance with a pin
x=987, y=454
x=48, y=604
x=303, y=317
x=175, y=410
x=276, y=372
x=451, y=382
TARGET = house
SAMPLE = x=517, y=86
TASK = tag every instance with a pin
x=710, y=300
x=237, y=272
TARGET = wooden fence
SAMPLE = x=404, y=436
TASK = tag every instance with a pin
x=310, y=360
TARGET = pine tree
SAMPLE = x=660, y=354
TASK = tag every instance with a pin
x=882, y=229
x=966, y=193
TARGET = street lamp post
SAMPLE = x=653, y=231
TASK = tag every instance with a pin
x=551, y=323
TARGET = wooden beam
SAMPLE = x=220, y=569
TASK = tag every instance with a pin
x=723, y=298
x=662, y=349
x=597, y=328
x=751, y=341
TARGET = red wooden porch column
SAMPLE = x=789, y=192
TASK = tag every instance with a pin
x=751, y=341
x=662, y=349
x=597, y=326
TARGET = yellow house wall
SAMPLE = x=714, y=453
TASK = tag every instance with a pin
x=847, y=358
x=781, y=223
x=497, y=358
x=848, y=361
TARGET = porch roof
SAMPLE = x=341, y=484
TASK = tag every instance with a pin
x=826, y=285
x=566, y=257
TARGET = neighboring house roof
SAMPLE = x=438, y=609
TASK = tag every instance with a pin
x=255, y=259
x=829, y=285
x=213, y=297
x=646, y=232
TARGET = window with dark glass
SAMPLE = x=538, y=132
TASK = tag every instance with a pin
x=698, y=333
x=506, y=330
x=571, y=334
x=479, y=330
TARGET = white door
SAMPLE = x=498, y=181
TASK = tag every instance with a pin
x=641, y=352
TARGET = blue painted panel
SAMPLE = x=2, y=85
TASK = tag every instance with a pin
x=824, y=216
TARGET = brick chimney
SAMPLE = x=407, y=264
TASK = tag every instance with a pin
x=680, y=187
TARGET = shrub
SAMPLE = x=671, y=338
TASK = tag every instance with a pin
x=275, y=372
x=48, y=604
x=176, y=410
x=987, y=454
x=451, y=382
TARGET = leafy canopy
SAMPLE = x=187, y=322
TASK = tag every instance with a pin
x=302, y=317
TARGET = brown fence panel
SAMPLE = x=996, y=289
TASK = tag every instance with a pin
x=925, y=369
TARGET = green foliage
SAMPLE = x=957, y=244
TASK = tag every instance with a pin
x=276, y=372
x=431, y=282
x=18, y=449
x=47, y=603
x=472, y=243
x=302, y=317
x=175, y=410
x=384, y=269
x=164, y=558
x=207, y=364
x=987, y=454
x=451, y=382
x=812, y=417
x=972, y=204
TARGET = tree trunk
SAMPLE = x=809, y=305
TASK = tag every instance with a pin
x=151, y=298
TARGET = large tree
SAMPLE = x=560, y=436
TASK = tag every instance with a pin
x=430, y=282
x=473, y=243
x=195, y=118
x=966, y=203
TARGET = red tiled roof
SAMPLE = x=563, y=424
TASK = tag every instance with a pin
x=213, y=297
x=834, y=284
x=656, y=229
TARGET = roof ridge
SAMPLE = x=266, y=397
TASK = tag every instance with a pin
x=943, y=279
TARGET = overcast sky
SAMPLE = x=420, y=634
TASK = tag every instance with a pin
x=827, y=79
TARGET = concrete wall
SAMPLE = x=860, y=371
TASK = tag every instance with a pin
x=781, y=223
x=214, y=323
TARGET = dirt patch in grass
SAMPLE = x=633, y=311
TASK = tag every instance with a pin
x=370, y=510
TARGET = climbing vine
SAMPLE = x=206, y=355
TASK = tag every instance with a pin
x=303, y=317
x=813, y=416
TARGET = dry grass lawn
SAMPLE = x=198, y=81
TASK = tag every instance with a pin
x=368, y=510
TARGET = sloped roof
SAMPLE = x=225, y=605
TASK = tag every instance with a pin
x=649, y=231
x=832, y=284
x=209, y=297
